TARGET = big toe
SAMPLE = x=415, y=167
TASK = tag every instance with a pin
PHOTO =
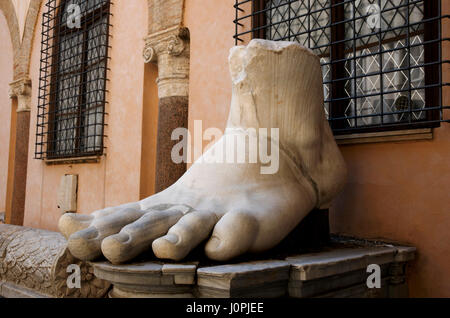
x=233, y=235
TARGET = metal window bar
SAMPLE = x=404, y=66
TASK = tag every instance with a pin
x=73, y=76
x=377, y=76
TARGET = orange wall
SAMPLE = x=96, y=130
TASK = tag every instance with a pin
x=401, y=191
x=395, y=191
x=115, y=180
x=149, y=131
x=211, y=28
x=6, y=77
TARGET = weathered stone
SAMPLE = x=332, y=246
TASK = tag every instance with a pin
x=252, y=279
x=241, y=207
x=318, y=265
x=182, y=274
x=360, y=291
x=148, y=279
x=9, y=290
x=320, y=286
x=67, y=193
x=405, y=253
x=344, y=270
x=36, y=261
x=347, y=265
x=173, y=113
x=21, y=89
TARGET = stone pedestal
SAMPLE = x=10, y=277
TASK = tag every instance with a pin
x=338, y=270
x=148, y=279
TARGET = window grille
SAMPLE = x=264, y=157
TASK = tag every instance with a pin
x=381, y=59
x=73, y=76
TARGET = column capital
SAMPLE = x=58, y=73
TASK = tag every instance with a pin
x=21, y=89
x=172, y=41
x=169, y=49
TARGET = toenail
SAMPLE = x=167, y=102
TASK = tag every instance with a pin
x=122, y=237
x=89, y=233
x=214, y=243
x=171, y=238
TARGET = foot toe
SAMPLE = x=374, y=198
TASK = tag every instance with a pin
x=86, y=244
x=185, y=235
x=138, y=236
x=70, y=223
x=233, y=235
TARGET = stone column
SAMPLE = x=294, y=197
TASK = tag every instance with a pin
x=167, y=45
x=20, y=89
x=169, y=49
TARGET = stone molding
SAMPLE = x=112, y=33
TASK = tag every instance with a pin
x=171, y=41
x=37, y=260
x=7, y=7
x=22, y=45
x=164, y=14
x=21, y=89
x=169, y=49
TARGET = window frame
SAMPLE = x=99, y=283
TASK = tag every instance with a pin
x=338, y=102
x=52, y=99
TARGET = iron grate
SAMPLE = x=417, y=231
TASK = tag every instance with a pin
x=381, y=59
x=73, y=75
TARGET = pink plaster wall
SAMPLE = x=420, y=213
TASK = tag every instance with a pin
x=211, y=28
x=6, y=77
x=115, y=180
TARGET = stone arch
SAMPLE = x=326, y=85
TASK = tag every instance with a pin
x=7, y=7
x=24, y=54
x=21, y=46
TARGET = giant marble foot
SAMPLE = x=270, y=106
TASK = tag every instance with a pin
x=234, y=206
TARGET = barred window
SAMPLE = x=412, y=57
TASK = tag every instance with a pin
x=73, y=75
x=381, y=59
